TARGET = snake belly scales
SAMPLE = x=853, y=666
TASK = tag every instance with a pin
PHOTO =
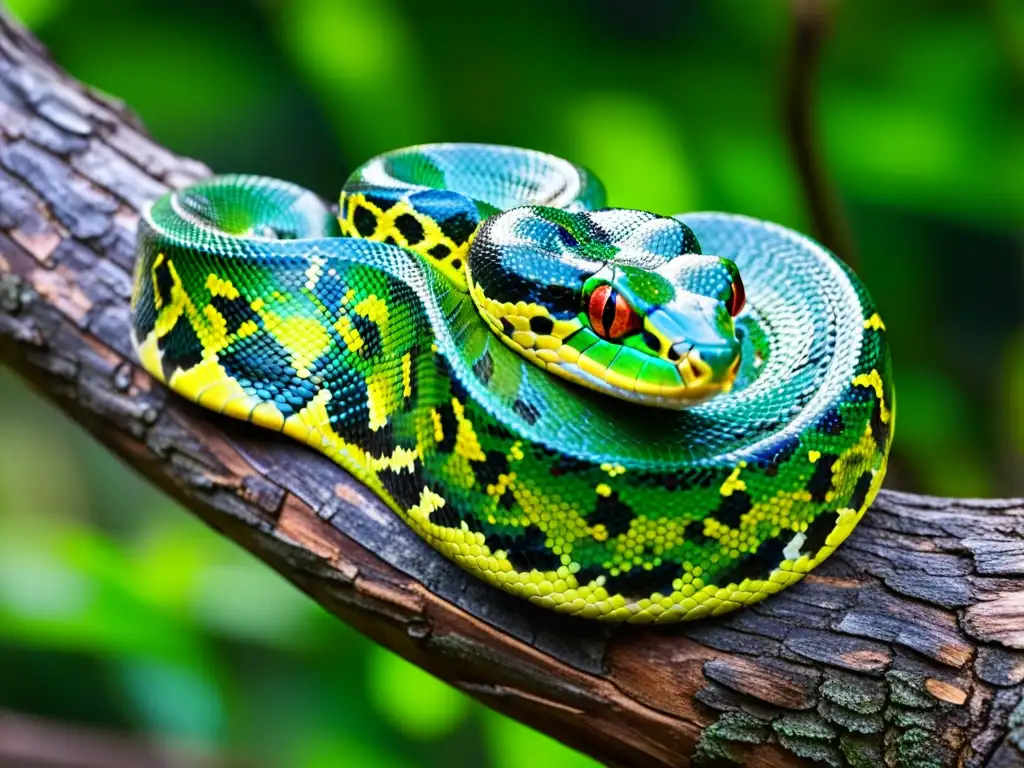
x=615, y=414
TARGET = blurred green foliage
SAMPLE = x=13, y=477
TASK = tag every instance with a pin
x=118, y=610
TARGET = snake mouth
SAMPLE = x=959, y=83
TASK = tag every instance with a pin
x=699, y=381
x=696, y=382
x=697, y=370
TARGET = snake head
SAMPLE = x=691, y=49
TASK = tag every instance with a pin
x=620, y=301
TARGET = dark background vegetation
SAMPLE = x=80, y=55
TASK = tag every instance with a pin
x=118, y=611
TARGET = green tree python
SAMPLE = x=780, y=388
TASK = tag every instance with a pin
x=615, y=414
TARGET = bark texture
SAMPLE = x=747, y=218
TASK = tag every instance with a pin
x=905, y=649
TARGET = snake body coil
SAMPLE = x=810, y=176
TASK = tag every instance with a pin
x=574, y=403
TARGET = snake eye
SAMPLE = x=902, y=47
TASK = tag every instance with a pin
x=737, y=296
x=610, y=315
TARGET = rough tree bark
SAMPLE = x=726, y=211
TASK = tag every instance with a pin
x=905, y=649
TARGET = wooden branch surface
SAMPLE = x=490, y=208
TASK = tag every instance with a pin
x=905, y=649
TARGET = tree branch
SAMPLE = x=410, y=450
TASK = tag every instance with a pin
x=33, y=742
x=906, y=646
x=829, y=226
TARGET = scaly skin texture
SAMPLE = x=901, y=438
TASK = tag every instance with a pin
x=390, y=355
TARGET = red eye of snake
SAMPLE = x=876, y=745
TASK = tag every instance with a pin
x=610, y=315
x=737, y=298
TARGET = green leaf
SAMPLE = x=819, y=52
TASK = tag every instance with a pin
x=631, y=146
x=413, y=701
x=325, y=750
x=35, y=14
x=366, y=67
x=934, y=429
x=513, y=745
x=172, y=699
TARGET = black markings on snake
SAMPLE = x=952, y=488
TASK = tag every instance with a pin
x=348, y=409
x=384, y=203
x=506, y=327
x=562, y=302
x=452, y=515
x=525, y=549
x=507, y=281
x=860, y=490
x=542, y=325
x=484, y=368
x=369, y=333
x=613, y=514
x=879, y=429
x=638, y=582
x=528, y=412
x=449, y=428
x=459, y=391
x=695, y=535
x=733, y=507
x=673, y=482
x=410, y=228
x=405, y=487
x=586, y=574
x=821, y=481
x=439, y=251
x=235, y=312
x=145, y=312
x=182, y=348
x=382, y=438
x=489, y=470
x=458, y=227
x=163, y=282
x=817, y=532
x=364, y=221
x=756, y=565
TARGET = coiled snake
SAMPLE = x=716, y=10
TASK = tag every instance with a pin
x=569, y=401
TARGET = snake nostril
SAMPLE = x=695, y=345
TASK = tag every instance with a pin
x=718, y=363
x=678, y=351
x=722, y=359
